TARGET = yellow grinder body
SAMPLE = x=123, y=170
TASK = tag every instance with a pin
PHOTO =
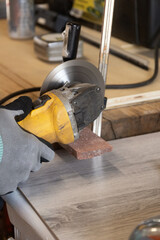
x=50, y=121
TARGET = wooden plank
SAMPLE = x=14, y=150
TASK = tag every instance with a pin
x=132, y=100
x=131, y=121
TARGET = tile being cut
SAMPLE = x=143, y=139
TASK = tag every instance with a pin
x=89, y=145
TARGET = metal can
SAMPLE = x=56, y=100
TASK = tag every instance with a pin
x=20, y=15
x=2, y=9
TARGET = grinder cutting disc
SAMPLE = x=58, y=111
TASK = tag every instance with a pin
x=71, y=72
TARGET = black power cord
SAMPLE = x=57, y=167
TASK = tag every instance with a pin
x=27, y=90
x=140, y=84
x=156, y=41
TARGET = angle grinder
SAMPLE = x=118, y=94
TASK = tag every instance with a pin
x=71, y=97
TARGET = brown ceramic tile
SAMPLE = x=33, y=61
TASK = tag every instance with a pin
x=89, y=145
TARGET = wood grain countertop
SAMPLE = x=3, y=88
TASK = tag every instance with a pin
x=102, y=198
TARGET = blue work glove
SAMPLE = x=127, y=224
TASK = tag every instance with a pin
x=20, y=151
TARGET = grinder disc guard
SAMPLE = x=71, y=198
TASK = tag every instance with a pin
x=82, y=85
x=72, y=72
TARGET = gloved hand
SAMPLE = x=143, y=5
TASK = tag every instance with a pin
x=20, y=151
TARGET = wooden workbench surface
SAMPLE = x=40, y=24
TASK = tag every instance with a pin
x=20, y=68
x=102, y=198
